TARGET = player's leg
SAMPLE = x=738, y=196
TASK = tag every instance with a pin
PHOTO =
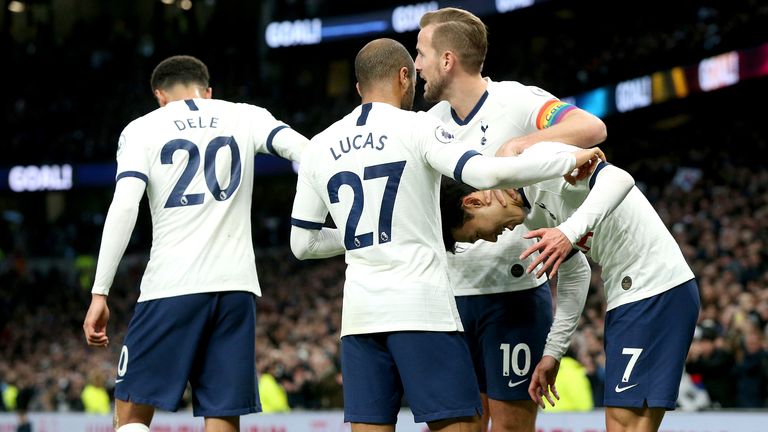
x=513, y=415
x=511, y=329
x=161, y=341
x=372, y=387
x=222, y=424
x=444, y=394
x=619, y=419
x=130, y=417
x=646, y=343
x=485, y=418
x=223, y=377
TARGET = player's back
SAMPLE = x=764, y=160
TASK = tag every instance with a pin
x=371, y=171
x=197, y=157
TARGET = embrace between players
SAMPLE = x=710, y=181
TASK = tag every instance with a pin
x=446, y=301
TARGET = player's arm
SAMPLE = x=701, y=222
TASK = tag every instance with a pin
x=287, y=143
x=275, y=137
x=577, y=127
x=309, y=239
x=572, y=289
x=609, y=186
x=118, y=226
x=483, y=172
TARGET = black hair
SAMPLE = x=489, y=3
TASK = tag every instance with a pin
x=452, y=213
x=180, y=69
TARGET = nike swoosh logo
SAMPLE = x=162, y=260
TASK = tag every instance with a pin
x=621, y=389
x=117, y=381
x=511, y=384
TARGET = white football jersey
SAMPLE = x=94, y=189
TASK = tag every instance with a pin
x=377, y=171
x=197, y=157
x=507, y=110
x=638, y=255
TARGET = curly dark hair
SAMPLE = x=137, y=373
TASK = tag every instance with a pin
x=452, y=213
x=180, y=69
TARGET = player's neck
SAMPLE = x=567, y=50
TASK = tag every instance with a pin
x=465, y=92
x=382, y=97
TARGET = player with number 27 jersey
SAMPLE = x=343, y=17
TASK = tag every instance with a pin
x=197, y=157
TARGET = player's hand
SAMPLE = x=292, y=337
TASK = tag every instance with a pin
x=510, y=148
x=95, y=325
x=583, y=171
x=543, y=381
x=584, y=156
x=489, y=195
x=553, y=247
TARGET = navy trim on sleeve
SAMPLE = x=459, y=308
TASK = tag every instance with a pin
x=136, y=174
x=472, y=113
x=272, y=137
x=573, y=252
x=306, y=224
x=526, y=203
x=460, y=164
x=366, y=109
x=191, y=104
x=594, y=174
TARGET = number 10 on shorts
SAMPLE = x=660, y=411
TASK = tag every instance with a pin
x=512, y=358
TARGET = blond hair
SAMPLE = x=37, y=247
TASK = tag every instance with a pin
x=459, y=31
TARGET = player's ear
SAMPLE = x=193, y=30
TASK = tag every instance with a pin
x=357, y=87
x=471, y=201
x=161, y=97
x=405, y=77
x=448, y=60
x=208, y=93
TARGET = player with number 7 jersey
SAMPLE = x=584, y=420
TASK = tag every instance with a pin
x=377, y=172
x=195, y=318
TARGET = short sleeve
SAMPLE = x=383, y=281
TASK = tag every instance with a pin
x=265, y=129
x=440, y=148
x=131, y=156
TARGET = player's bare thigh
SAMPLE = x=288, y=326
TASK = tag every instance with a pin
x=129, y=412
x=621, y=419
x=512, y=416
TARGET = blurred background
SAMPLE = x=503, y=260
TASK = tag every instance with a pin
x=680, y=84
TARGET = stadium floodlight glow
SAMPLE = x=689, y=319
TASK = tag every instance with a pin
x=16, y=6
x=406, y=18
x=633, y=94
x=290, y=33
x=504, y=6
x=185, y=4
x=34, y=178
x=719, y=71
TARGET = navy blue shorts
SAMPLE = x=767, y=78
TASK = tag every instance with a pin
x=506, y=333
x=204, y=339
x=432, y=369
x=646, y=343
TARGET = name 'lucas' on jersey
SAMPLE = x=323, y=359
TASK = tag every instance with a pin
x=356, y=142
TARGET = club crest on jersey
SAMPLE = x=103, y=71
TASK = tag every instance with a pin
x=626, y=283
x=483, y=127
x=443, y=135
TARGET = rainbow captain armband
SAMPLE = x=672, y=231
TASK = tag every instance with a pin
x=552, y=112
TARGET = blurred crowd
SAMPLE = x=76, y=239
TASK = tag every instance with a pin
x=715, y=205
x=698, y=168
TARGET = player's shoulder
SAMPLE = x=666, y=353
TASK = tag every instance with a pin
x=441, y=110
x=508, y=91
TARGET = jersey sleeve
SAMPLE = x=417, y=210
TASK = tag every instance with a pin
x=309, y=209
x=274, y=137
x=540, y=108
x=132, y=155
x=609, y=185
